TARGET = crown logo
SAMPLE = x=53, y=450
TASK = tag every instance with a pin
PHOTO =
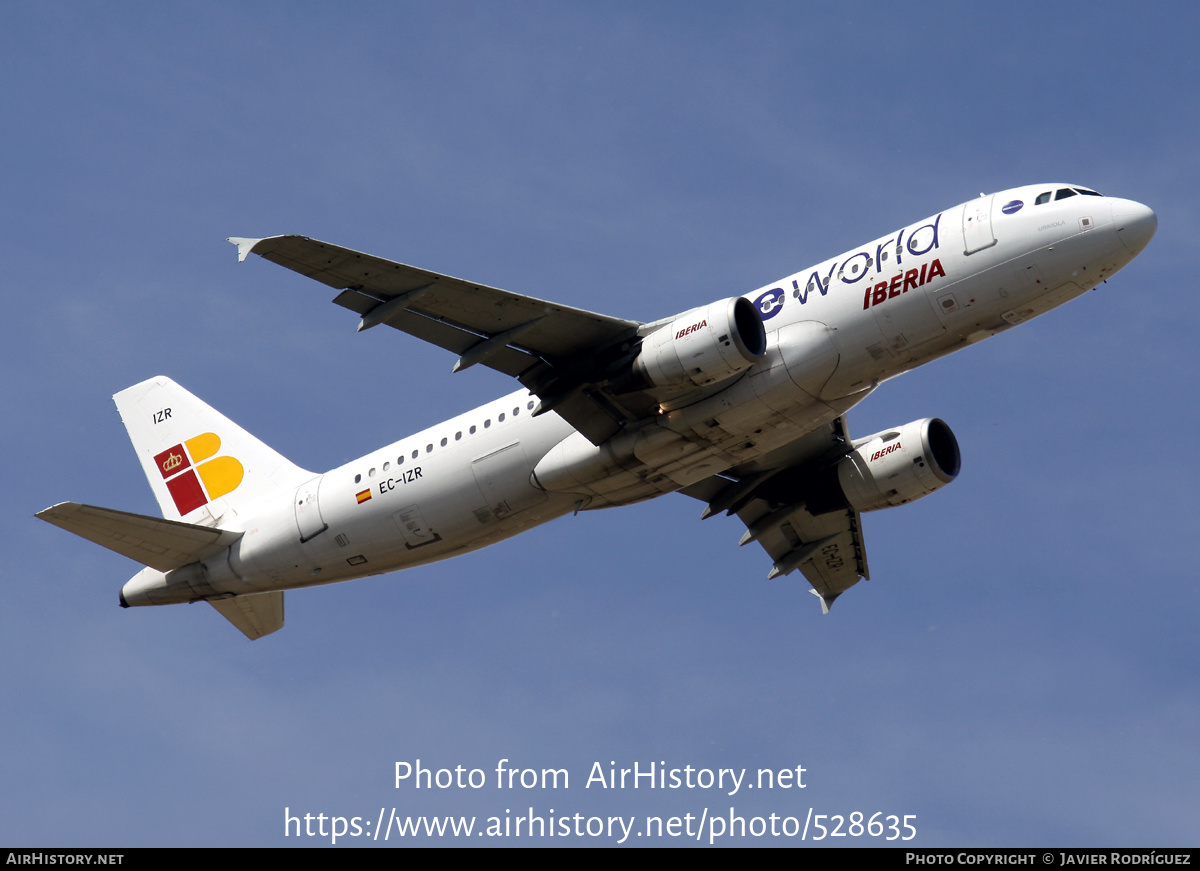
x=172, y=462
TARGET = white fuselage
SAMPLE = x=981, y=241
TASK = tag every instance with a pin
x=835, y=330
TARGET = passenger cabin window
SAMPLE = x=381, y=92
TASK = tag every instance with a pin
x=1042, y=198
x=1063, y=194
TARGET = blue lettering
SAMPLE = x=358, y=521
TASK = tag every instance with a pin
x=933, y=242
x=855, y=276
x=814, y=281
x=770, y=303
x=879, y=255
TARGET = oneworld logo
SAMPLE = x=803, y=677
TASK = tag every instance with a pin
x=193, y=479
x=770, y=303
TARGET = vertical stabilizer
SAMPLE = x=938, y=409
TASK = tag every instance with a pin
x=200, y=464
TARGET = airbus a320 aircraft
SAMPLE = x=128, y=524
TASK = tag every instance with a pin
x=740, y=404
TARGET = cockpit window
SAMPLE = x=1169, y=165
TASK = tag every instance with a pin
x=1063, y=193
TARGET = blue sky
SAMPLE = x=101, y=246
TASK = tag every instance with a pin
x=1023, y=668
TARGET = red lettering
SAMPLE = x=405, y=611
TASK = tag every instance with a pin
x=880, y=293
x=910, y=280
x=935, y=269
x=924, y=266
x=867, y=298
x=894, y=286
x=883, y=452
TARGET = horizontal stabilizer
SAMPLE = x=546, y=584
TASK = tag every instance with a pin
x=256, y=615
x=152, y=541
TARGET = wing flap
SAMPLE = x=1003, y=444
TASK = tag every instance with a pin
x=508, y=360
x=152, y=541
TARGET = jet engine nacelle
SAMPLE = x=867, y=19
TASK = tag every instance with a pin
x=701, y=346
x=890, y=468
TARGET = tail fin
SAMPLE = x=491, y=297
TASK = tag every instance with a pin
x=199, y=463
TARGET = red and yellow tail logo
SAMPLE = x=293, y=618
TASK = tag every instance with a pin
x=192, y=478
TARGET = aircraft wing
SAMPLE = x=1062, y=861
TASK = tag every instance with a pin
x=827, y=548
x=562, y=354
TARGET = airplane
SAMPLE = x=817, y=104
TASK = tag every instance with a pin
x=740, y=404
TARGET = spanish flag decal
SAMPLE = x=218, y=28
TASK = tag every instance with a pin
x=364, y=496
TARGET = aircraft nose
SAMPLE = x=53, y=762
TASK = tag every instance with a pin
x=1135, y=224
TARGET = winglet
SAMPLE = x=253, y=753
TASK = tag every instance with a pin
x=244, y=246
x=826, y=603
